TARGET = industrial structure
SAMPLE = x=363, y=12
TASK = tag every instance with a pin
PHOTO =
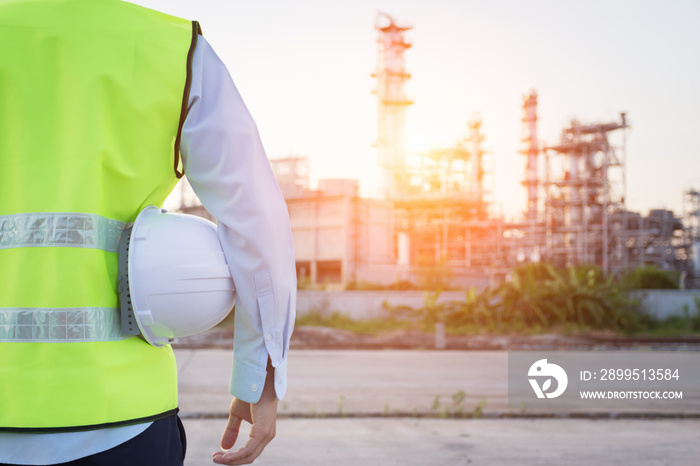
x=434, y=213
x=581, y=200
x=691, y=211
x=576, y=212
x=440, y=200
x=338, y=236
x=391, y=96
x=443, y=216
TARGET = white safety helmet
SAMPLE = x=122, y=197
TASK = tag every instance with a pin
x=173, y=277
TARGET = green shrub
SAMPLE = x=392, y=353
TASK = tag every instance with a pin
x=649, y=277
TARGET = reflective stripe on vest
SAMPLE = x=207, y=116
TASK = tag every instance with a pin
x=60, y=229
x=60, y=325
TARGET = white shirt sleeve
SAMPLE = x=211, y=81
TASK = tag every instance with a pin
x=226, y=165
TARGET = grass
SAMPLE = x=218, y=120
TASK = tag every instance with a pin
x=637, y=325
x=686, y=325
x=361, y=326
x=457, y=408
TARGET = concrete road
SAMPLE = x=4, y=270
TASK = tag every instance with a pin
x=326, y=385
x=491, y=442
x=329, y=381
x=333, y=382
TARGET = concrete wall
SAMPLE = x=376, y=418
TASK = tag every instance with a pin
x=665, y=303
x=364, y=304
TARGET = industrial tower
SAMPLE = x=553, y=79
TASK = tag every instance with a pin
x=391, y=76
x=532, y=182
x=476, y=157
x=531, y=151
x=586, y=195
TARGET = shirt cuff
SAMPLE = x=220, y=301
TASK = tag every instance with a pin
x=247, y=381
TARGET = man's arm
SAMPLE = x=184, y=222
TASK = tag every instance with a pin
x=226, y=165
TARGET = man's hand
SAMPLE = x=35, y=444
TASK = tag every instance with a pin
x=263, y=417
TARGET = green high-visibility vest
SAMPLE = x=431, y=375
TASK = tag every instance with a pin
x=92, y=99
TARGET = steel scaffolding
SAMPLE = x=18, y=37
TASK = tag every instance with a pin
x=587, y=190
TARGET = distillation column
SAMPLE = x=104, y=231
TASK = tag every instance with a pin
x=531, y=151
x=476, y=159
x=391, y=77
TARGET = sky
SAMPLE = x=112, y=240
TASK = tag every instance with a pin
x=303, y=68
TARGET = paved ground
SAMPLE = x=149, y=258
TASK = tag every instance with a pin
x=492, y=442
x=332, y=382
x=356, y=381
x=336, y=383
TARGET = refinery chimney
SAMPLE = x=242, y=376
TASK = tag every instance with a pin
x=391, y=76
x=531, y=151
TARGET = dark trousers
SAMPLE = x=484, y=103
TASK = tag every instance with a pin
x=162, y=444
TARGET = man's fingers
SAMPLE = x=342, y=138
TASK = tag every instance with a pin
x=246, y=454
x=231, y=432
x=263, y=417
x=241, y=409
x=243, y=455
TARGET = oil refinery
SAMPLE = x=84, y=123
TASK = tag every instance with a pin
x=435, y=210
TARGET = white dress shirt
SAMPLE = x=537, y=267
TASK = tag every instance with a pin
x=226, y=165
